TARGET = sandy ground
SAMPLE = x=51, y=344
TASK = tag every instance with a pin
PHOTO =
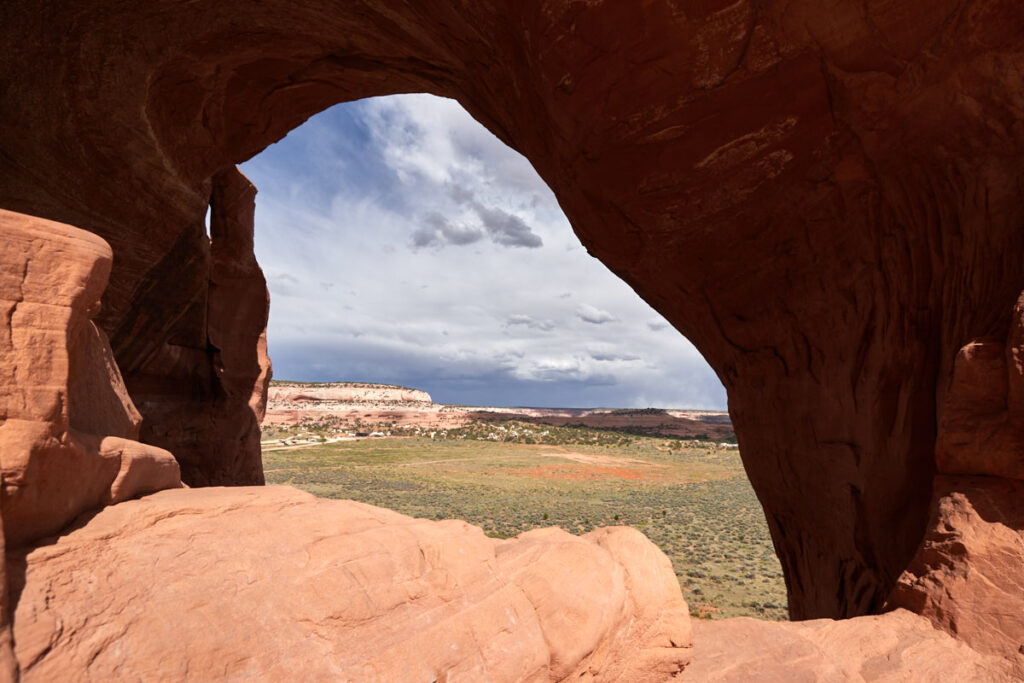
x=589, y=458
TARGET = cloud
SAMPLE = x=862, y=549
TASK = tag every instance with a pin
x=595, y=316
x=609, y=357
x=506, y=229
x=657, y=325
x=529, y=321
x=283, y=284
x=285, y=278
x=460, y=194
x=440, y=231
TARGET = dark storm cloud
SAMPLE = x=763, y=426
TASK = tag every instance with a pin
x=485, y=382
x=594, y=316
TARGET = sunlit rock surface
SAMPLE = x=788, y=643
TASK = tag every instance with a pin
x=968, y=576
x=898, y=646
x=273, y=584
x=68, y=429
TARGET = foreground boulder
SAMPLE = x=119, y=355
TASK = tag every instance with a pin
x=968, y=577
x=274, y=584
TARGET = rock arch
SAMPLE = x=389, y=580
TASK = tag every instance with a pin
x=825, y=198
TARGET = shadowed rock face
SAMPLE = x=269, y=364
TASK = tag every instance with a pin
x=824, y=197
x=968, y=575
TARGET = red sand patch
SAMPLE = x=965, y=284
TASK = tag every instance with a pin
x=578, y=473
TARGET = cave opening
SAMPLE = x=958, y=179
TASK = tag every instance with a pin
x=405, y=245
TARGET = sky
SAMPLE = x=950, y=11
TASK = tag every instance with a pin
x=404, y=244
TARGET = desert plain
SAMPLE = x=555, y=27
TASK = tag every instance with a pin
x=675, y=475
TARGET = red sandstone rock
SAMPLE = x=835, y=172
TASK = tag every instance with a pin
x=824, y=197
x=898, y=646
x=274, y=584
x=982, y=428
x=67, y=426
x=968, y=576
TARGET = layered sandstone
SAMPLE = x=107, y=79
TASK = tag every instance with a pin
x=284, y=393
x=824, y=197
x=68, y=429
x=356, y=403
x=273, y=584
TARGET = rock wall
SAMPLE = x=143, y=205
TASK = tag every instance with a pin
x=824, y=197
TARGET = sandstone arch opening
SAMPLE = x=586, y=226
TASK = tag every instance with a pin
x=866, y=159
x=404, y=244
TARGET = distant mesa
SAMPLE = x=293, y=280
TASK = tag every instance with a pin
x=365, y=405
x=344, y=392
